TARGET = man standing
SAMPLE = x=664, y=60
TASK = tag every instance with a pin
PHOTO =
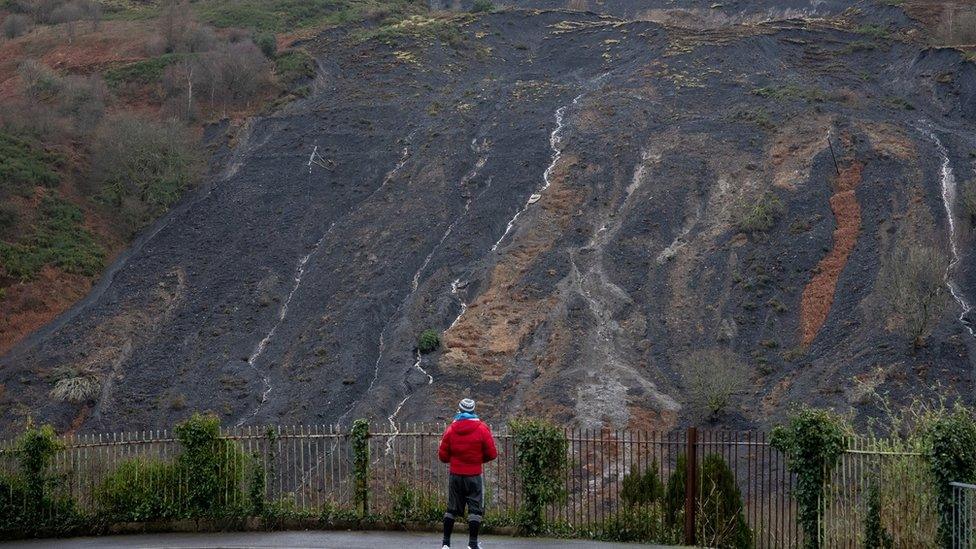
x=467, y=443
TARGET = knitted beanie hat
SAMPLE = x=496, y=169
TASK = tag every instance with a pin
x=466, y=405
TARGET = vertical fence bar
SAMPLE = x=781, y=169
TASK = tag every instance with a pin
x=691, y=484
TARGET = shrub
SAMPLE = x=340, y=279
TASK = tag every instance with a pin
x=268, y=44
x=360, y=450
x=40, y=81
x=911, y=288
x=8, y=219
x=15, y=25
x=58, y=239
x=212, y=468
x=948, y=442
x=812, y=441
x=761, y=215
x=139, y=490
x=83, y=98
x=540, y=465
x=674, y=494
x=719, y=518
x=482, y=6
x=28, y=501
x=24, y=165
x=642, y=488
x=875, y=535
x=712, y=377
x=141, y=166
x=294, y=67
x=428, y=341
x=73, y=385
x=410, y=504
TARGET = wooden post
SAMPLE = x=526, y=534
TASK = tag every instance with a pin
x=691, y=484
x=832, y=156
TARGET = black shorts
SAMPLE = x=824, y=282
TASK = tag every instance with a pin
x=465, y=492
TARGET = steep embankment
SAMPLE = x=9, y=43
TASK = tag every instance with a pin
x=577, y=202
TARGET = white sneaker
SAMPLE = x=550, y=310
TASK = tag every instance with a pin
x=445, y=547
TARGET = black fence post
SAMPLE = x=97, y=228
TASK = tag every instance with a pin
x=691, y=484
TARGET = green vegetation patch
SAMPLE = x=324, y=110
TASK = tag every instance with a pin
x=761, y=215
x=294, y=66
x=874, y=31
x=446, y=30
x=428, y=341
x=23, y=165
x=147, y=71
x=59, y=239
x=274, y=15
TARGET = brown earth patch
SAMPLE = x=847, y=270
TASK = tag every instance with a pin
x=492, y=328
x=644, y=419
x=27, y=307
x=889, y=140
x=794, y=148
x=818, y=295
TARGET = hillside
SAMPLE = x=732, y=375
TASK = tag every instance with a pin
x=613, y=215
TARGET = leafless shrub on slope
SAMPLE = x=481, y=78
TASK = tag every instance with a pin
x=712, y=377
x=910, y=290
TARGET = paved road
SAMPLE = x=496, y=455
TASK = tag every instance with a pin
x=303, y=540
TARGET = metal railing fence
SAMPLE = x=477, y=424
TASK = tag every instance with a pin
x=888, y=477
x=308, y=471
x=963, y=515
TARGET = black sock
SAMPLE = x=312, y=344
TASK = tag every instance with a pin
x=448, y=527
x=473, y=527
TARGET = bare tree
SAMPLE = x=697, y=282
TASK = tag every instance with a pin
x=958, y=25
x=712, y=377
x=911, y=289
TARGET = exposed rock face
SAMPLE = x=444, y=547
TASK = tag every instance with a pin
x=559, y=193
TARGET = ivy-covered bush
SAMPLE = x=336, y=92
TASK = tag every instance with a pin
x=29, y=500
x=360, y=462
x=949, y=443
x=541, y=461
x=812, y=441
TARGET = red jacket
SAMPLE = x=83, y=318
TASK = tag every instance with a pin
x=466, y=444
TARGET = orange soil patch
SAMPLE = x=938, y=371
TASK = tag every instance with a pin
x=491, y=330
x=27, y=307
x=818, y=295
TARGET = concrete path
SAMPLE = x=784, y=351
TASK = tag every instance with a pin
x=305, y=540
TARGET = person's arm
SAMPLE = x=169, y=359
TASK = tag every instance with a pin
x=488, y=450
x=444, y=451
